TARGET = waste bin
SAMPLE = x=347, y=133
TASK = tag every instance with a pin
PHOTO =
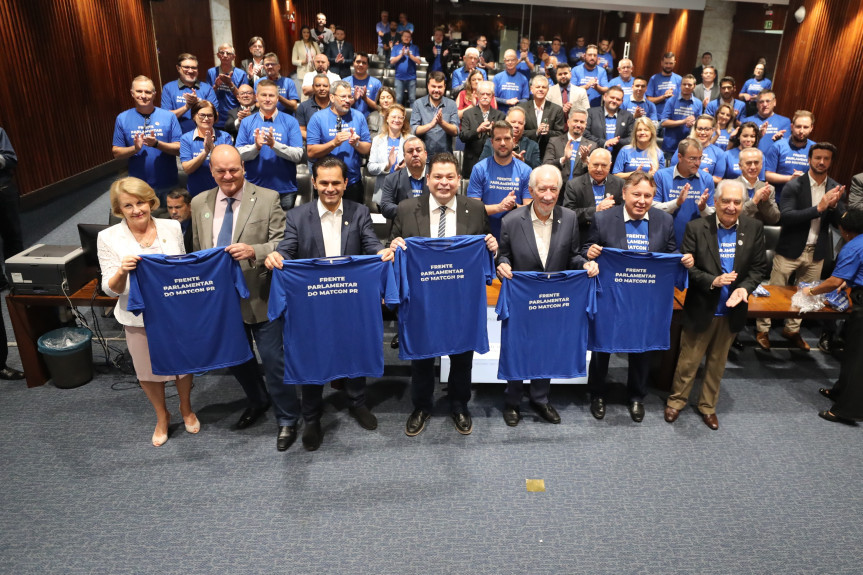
x=68, y=355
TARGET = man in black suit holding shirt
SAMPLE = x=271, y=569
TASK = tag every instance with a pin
x=730, y=262
x=329, y=227
x=463, y=216
x=539, y=237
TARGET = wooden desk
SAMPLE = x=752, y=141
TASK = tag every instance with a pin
x=33, y=316
x=778, y=305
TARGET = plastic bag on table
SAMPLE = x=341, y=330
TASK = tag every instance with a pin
x=807, y=303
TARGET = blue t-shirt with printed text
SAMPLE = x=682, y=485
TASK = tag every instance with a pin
x=544, y=324
x=442, y=297
x=783, y=158
x=269, y=169
x=331, y=312
x=634, y=306
x=659, y=84
x=646, y=105
x=373, y=88
x=677, y=109
x=849, y=263
x=173, y=99
x=507, y=87
x=631, y=158
x=191, y=307
x=669, y=187
x=155, y=167
x=190, y=147
x=287, y=89
x=491, y=183
x=322, y=128
x=713, y=160
x=727, y=240
x=225, y=99
x=581, y=76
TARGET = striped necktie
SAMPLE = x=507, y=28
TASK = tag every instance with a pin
x=441, y=226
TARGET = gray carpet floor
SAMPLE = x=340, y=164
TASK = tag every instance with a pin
x=775, y=490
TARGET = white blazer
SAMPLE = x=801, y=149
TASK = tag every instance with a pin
x=116, y=242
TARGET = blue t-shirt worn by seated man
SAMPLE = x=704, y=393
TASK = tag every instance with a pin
x=190, y=147
x=442, y=297
x=153, y=166
x=669, y=184
x=332, y=304
x=191, y=307
x=544, y=329
x=269, y=169
x=491, y=183
x=637, y=299
x=173, y=98
x=713, y=160
x=507, y=87
x=753, y=87
x=323, y=127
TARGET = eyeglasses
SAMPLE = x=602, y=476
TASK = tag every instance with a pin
x=224, y=53
x=205, y=116
x=704, y=129
x=189, y=68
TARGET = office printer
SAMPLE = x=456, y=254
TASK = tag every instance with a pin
x=47, y=270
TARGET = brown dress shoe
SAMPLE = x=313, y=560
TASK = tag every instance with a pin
x=763, y=340
x=795, y=338
x=671, y=414
x=710, y=420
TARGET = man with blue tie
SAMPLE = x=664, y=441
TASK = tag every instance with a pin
x=330, y=227
x=539, y=237
x=250, y=223
x=635, y=226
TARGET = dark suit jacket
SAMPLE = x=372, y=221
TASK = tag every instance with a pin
x=750, y=263
x=596, y=128
x=552, y=114
x=231, y=125
x=473, y=140
x=518, y=243
x=396, y=188
x=445, y=61
x=331, y=50
x=304, y=238
x=578, y=197
x=797, y=215
x=260, y=223
x=555, y=151
x=412, y=218
x=609, y=230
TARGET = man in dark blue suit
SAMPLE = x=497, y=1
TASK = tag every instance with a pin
x=539, y=237
x=609, y=229
x=329, y=227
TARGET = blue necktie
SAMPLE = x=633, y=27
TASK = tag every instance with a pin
x=227, y=230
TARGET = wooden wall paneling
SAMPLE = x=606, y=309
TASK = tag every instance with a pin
x=183, y=26
x=60, y=117
x=678, y=32
x=749, y=42
x=820, y=70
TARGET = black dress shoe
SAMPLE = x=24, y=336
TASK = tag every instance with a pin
x=312, y=435
x=10, y=373
x=511, y=415
x=830, y=416
x=737, y=344
x=597, y=407
x=825, y=343
x=286, y=438
x=364, y=417
x=546, y=411
x=395, y=342
x=462, y=422
x=251, y=415
x=416, y=422
x=827, y=392
x=636, y=411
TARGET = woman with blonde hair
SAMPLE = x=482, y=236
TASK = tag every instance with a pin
x=120, y=247
x=642, y=154
x=387, y=153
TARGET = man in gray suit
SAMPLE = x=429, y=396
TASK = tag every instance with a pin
x=249, y=231
x=531, y=241
x=463, y=216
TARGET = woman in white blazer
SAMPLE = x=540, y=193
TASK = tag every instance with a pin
x=304, y=52
x=387, y=154
x=120, y=248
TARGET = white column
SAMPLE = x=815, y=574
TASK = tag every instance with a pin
x=716, y=33
x=220, y=19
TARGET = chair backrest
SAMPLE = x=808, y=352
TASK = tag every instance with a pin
x=771, y=240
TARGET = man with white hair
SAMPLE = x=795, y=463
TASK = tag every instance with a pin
x=730, y=262
x=543, y=119
x=625, y=78
x=761, y=198
x=460, y=75
x=531, y=241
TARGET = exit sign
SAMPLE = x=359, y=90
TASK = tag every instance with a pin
x=768, y=24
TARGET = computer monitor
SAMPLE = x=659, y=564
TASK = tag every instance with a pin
x=88, y=234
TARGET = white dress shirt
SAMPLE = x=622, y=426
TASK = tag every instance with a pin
x=434, y=216
x=542, y=234
x=331, y=228
x=818, y=191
